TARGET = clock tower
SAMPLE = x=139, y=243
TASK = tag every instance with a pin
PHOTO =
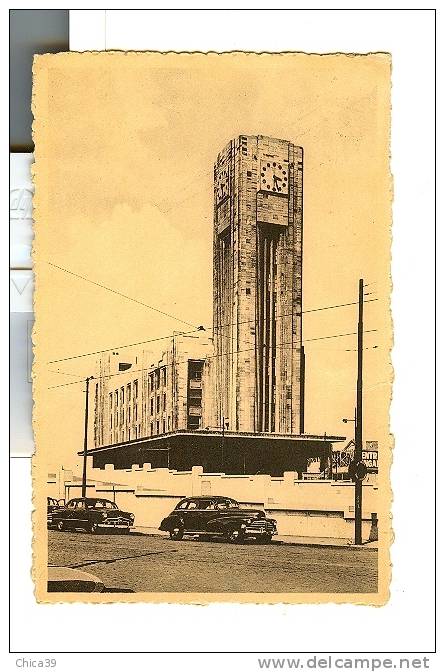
x=258, y=368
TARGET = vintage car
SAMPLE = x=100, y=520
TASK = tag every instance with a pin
x=91, y=514
x=52, y=505
x=217, y=517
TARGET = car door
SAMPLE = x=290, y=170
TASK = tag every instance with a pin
x=66, y=514
x=182, y=512
x=190, y=516
x=201, y=514
x=79, y=517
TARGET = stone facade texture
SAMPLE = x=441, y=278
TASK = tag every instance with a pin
x=256, y=380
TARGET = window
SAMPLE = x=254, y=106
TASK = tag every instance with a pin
x=206, y=504
x=111, y=422
x=163, y=426
x=151, y=406
x=183, y=505
x=135, y=389
x=116, y=397
x=193, y=422
x=151, y=429
x=164, y=376
x=122, y=395
x=158, y=404
x=157, y=427
x=128, y=392
x=164, y=402
x=110, y=399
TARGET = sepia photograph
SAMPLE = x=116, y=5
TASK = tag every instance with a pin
x=212, y=339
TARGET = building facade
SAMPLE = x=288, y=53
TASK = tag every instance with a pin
x=145, y=400
x=257, y=374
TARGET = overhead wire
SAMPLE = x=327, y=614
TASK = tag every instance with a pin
x=223, y=354
x=125, y=296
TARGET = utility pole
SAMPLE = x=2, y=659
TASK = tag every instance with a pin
x=358, y=491
x=222, y=444
x=85, y=438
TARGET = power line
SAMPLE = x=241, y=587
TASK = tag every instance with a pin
x=309, y=310
x=152, y=340
x=65, y=373
x=114, y=291
x=120, y=347
x=223, y=354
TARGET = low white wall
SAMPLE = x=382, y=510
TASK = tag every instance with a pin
x=303, y=508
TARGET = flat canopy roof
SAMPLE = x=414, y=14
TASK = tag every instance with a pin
x=261, y=437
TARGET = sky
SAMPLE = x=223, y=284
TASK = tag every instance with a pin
x=125, y=146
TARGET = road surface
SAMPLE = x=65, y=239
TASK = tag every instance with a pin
x=146, y=563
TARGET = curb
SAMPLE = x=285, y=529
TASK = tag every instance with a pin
x=276, y=542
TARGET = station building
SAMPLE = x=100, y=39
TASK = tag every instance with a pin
x=141, y=399
x=234, y=402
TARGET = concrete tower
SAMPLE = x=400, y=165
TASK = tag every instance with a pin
x=258, y=368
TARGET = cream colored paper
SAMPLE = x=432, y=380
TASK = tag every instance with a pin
x=123, y=173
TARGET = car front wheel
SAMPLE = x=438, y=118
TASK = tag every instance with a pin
x=265, y=539
x=235, y=536
x=177, y=533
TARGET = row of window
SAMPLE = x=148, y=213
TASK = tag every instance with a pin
x=126, y=393
x=119, y=418
x=123, y=395
x=157, y=378
x=119, y=436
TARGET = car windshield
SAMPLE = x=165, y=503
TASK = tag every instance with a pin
x=100, y=504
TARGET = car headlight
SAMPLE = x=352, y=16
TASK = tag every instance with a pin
x=131, y=516
x=104, y=515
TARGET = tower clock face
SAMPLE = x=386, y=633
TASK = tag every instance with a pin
x=274, y=177
x=222, y=184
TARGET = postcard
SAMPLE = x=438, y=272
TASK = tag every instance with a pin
x=212, y=346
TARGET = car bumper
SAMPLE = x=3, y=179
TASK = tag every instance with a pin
x=115, y=525
x=258, y=531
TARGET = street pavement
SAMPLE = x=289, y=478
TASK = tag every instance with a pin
x=141, y=562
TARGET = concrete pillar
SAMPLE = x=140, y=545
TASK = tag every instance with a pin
x=374, y=531
x=196, y=480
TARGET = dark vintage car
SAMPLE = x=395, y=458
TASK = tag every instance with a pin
x=52, y=505
x=219, y=517
x=91, y=514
